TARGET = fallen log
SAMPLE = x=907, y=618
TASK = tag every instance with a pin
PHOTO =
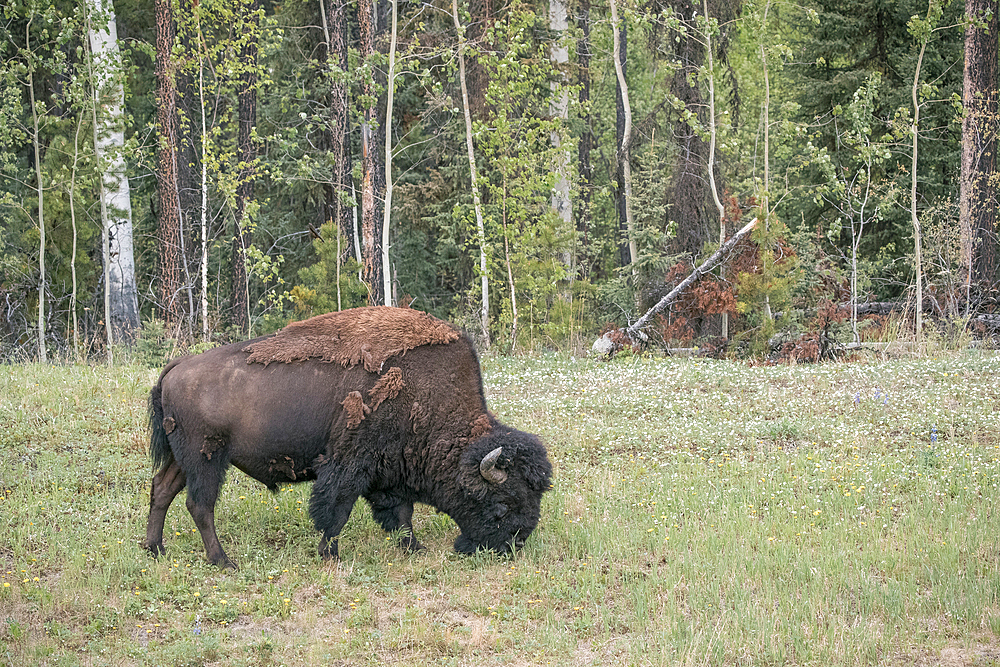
x=605, y=345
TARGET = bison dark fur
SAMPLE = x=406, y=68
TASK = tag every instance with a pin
x=417, y=431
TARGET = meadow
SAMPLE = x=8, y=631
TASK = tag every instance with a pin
x=703, y=513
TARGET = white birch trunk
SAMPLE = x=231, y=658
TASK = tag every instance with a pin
x=623, y=150
x=42, y=356
x=204, y=189
x=387, y=209
x=561, y=203
x=480, y=225
x=72, y=219
x=913, y=193
x=711, y=148
x=109, y=145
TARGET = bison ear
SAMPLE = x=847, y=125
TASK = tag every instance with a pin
x=488, y=467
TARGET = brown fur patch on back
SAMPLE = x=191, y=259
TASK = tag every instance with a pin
x=355, y=408
x=480, y=427
x=387, y=387
x=367, y=335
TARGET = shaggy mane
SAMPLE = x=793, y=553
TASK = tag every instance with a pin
x=367, y=335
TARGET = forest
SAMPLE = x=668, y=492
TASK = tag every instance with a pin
x=199, y=172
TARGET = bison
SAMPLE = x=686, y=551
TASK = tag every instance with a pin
x=381, y=403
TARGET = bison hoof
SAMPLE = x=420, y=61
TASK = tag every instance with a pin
x=155, y=550
x=328, y=551
x=224, y=562
x=410, y=543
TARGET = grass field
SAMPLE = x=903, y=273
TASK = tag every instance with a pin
x=703, y=512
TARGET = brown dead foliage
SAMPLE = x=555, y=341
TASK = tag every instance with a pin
x=367, y=335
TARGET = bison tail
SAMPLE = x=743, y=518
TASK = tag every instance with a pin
x=159, y=447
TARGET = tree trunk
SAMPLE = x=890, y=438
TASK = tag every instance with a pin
x=109, y=144
x=166, y=171
x=247, y=111
x=72, y=219
x=914, y=131
x=688, y=190
x=980, y=125
x=36, y=144
x=765, y=198
x=561, y=203
x=204, y=186
x=335, y=31
x=371, y=233
x=477, y=81
x=387, y=207
x=624, y=135
x=711, y=146
x=480, y=225
x=510, y=273
x=584, y=169
x=623, y=125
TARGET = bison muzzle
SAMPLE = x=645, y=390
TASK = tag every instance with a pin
x=381, y=403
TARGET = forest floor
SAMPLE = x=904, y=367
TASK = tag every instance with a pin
x=703, y=513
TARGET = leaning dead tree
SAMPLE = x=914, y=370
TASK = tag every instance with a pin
x=606, y=345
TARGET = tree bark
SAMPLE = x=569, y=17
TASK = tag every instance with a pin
x=72, y=218
x=586, y=141
x=116, y=205
x=387, y=207
x=766, y=190
x=624, y=132
x=36, y=144
x=914, y=131
x=711, y=145
x=561, y=202
x=204, y=240
x=335, y=31
x=688, y=190
x=371, y=232
x=166, y=158
x=980, y=125
x=477, y=205
x=247, y=112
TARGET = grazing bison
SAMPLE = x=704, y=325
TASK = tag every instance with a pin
x=381, y=403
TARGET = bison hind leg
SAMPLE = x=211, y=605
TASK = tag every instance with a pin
x=204, y=479
x=394, y=513
x=166, y=484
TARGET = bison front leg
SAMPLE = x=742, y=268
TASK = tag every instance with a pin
x=393, y=513
x=330, y=506
x=165, y=486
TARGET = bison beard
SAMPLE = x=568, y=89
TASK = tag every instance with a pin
x=404, y=422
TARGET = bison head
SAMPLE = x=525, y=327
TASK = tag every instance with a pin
x=503, y=476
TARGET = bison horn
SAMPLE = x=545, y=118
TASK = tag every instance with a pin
x=488, y=467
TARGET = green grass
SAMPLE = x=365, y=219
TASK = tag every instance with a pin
x=703, y=512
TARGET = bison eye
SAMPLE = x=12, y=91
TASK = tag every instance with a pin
x=501, y=511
